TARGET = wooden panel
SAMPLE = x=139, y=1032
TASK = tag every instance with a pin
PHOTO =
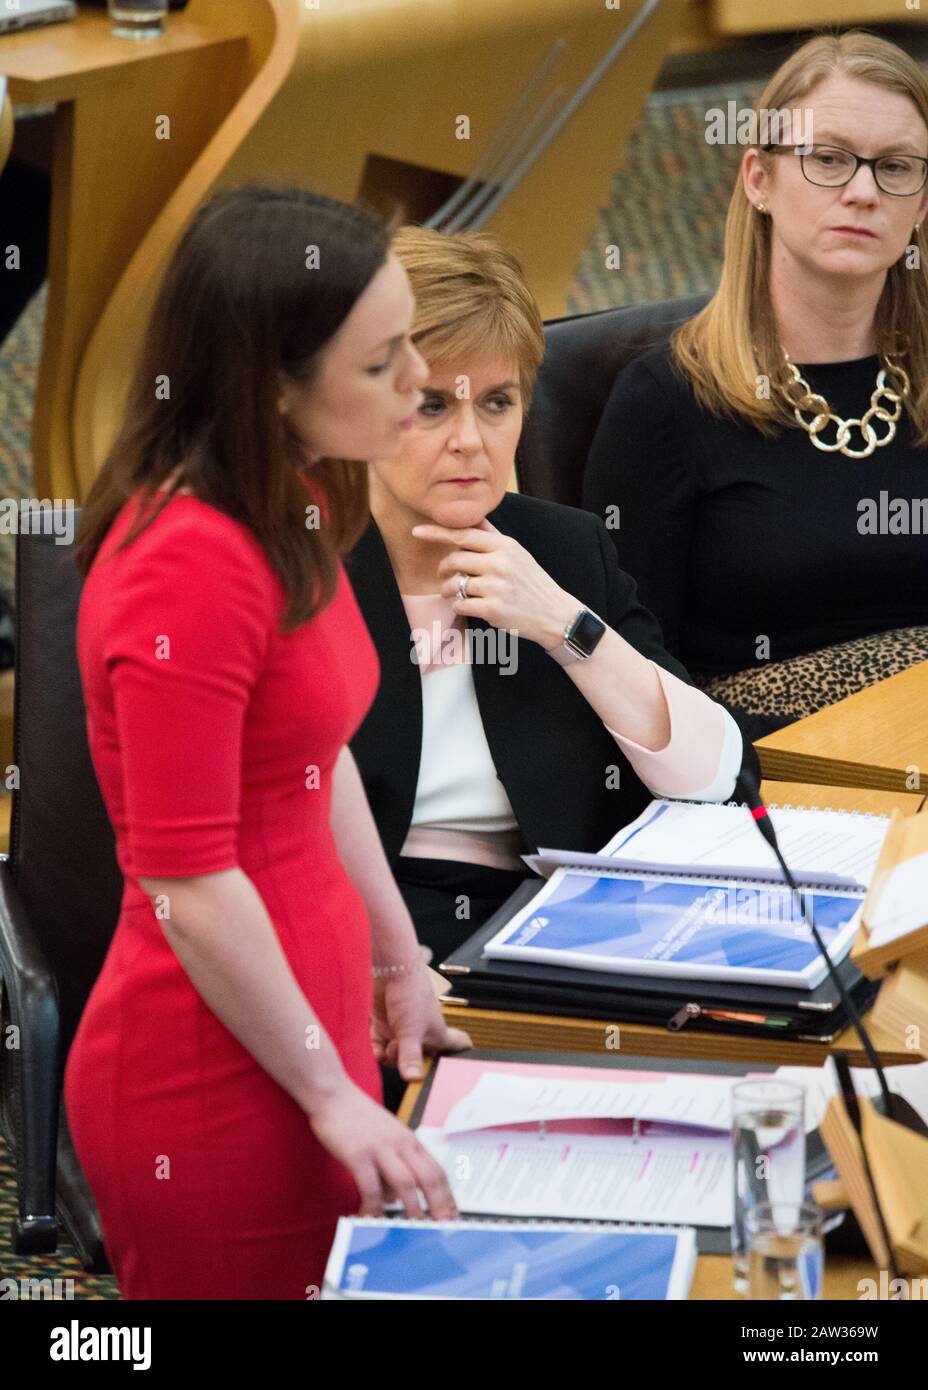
x=63, y=61
x=877, y=803
x=110, y=179
x=546, y=1033
x=468, y=60
x=344, y=66
x=111, y=176
x=107, y=364
x=753, y=17
x=870, y=739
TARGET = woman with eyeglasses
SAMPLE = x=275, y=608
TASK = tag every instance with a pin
x=762, y=474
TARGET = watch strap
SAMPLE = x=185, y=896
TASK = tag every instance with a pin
x=563, y=655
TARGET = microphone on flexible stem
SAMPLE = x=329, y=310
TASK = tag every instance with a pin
x=895, y=1107
x=751, y=793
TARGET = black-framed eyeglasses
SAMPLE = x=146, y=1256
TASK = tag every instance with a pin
x=829, y=166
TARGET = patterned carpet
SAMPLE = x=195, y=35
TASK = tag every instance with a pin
x=19, y=364
x=666, y=215
x=63, y=1269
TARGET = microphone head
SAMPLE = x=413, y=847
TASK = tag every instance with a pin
x=748, y=788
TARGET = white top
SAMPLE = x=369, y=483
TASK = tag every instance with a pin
x=458, y=788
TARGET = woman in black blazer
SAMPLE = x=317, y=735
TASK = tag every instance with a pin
x=478, y=748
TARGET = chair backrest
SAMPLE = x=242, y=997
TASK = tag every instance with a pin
x=62, y=850
x=583, y=357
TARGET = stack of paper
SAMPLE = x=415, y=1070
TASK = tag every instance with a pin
x=693, y=892
x=580, y=1143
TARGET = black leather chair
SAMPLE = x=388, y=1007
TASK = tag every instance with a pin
x=60, y=892
x=583, y=357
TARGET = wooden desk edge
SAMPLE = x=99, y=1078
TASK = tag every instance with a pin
x=551, y=1033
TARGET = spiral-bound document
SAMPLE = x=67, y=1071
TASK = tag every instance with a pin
x=691, y=891
x=820, y=846
x=380, y=1258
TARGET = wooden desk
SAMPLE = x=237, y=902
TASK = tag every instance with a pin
x=549, y=1033
x=111, y=173
x=874, y=739
x=712, y=1279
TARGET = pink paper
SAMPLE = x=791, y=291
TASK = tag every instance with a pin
x=456, y=1077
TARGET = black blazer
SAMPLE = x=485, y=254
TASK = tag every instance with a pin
x=550, y=748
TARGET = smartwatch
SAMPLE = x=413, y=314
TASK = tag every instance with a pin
x=581, y=637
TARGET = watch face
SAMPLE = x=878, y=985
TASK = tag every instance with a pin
x=586, y=632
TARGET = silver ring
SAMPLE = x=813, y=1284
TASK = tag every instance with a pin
x=462, y=585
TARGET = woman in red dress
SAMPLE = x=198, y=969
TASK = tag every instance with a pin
x=222, y=1089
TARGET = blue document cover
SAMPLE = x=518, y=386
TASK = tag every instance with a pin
x=383, y=1258
x=686, y=928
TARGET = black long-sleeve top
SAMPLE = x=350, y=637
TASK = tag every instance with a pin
x=733, y=536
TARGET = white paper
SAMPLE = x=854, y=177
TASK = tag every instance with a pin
x=668, y=1179
x=821, y=1084
x=902, y=902
x=502, y=1099
x=704, y=835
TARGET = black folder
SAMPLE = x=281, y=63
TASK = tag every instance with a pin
x=811, y=1015
x=710, y=1240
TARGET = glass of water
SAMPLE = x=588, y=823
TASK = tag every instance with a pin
x=784, y=1249
x=138, y=19
x=768, y=1133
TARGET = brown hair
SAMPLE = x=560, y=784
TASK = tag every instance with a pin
x=733, y=341
x=237, y=308
x=471, y=300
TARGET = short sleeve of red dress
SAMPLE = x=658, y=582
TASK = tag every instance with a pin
x=188, y=627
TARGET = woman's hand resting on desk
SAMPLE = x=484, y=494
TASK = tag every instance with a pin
x=407, y=1019
x=506, y=585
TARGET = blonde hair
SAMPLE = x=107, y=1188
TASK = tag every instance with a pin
x=471, y=301
x=733, y=341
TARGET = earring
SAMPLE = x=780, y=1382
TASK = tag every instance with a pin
x=761, y=207
x=918, y=226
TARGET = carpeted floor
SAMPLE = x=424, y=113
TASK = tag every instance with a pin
x=666, y=215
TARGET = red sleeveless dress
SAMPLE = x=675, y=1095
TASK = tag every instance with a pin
x=214, y=737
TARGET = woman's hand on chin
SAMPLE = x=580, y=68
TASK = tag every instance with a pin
x=505, y=584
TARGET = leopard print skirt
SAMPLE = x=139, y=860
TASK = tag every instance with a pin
x=803, y=684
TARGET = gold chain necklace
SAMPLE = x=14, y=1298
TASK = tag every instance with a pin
x=809, y=401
